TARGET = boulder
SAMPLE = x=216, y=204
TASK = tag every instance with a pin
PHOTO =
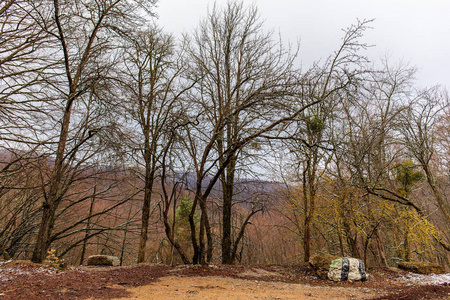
x=421, y=267
x=343, y=269
x=321, y=264
x=102, y=260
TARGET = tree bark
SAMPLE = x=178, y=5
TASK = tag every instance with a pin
x=227, y=186
x=52, y=199
x=145, y=215
x=88, y=225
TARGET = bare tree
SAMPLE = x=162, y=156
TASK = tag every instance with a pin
x=152, y=88
x=240, y=70
x=247, y=90
x=376, y=131
x=81, y=41
x=366, y=149
x=23, y=28
x=24, y=36
x=24, y=31
x=420, y=129
x=309, y=137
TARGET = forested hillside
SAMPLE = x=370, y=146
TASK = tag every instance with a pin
x=217, y=147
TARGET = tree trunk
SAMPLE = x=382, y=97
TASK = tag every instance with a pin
x=209, y=241
x=309, y=198
x=52, y=200
x=307, y=240
x=227, y=195
x=195, y=245
x=149, y=176
x=88, y=226
x=170, y=236
x=380, y=250
x=241, y=235
x=41, y=246
x=406, y=249
x=226, y=231
x=203, y=253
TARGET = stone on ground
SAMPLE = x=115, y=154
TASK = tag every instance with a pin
x=102, y=260
x=421, y=267
x=321, y=264
x=343, y=269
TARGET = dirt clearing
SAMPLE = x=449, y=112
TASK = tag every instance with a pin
x=214, y=287
x=24, y=280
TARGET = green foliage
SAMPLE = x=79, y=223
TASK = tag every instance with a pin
x=406, y=175
x=315, y=125
x=182, y=218
x=184, y=208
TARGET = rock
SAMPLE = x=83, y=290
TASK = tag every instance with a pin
x=421, y=267
x=343, y=269
x=321, y=264
x=103, y=260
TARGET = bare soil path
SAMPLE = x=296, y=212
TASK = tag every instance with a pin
x=214, y=287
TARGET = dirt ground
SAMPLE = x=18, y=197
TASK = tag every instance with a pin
x=24, y=280
x=214, y=287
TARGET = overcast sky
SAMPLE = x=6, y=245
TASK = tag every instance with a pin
x=416, y=31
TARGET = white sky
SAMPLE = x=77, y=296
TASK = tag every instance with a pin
x=416, y=31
